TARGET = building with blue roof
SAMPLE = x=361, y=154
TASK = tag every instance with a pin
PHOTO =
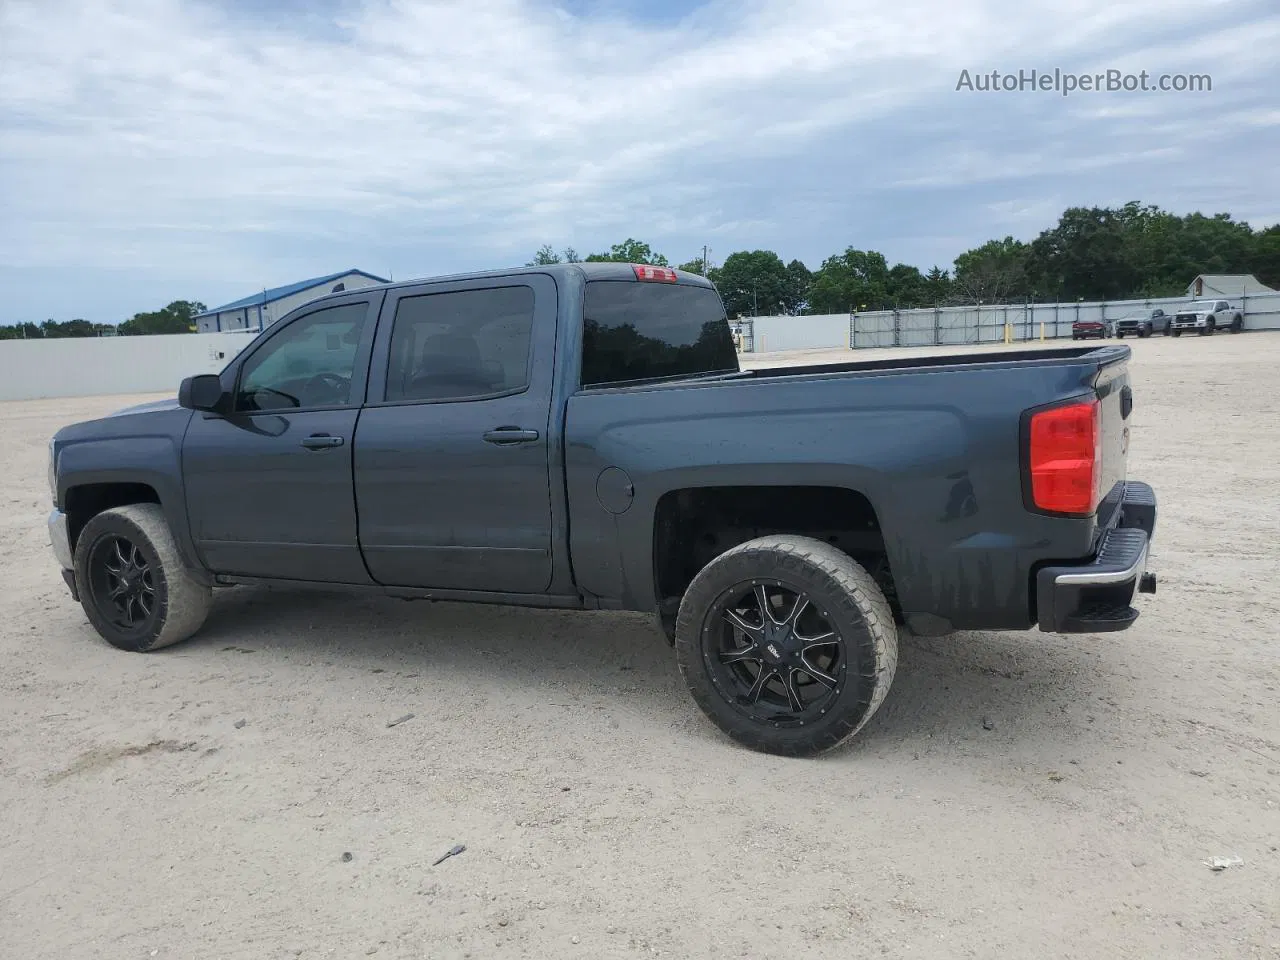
x=260, y=310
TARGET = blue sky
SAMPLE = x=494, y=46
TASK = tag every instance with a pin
x=153, y=150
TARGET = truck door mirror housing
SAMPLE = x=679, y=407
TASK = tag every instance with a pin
x=202, y=392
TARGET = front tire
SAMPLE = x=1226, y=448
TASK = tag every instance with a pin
x=1207, y=329
x=132, y=583
x=787, y=644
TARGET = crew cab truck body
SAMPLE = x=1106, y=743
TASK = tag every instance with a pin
x=581, y=436
x=1143, y=324
x=1206, y=316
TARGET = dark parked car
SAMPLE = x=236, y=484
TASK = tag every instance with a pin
x=581, y=436
x=1143, y=324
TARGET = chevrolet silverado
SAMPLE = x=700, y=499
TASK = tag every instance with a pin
x=582, y=436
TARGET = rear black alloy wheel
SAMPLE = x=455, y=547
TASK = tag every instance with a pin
x=774, y=653
x=787, y=644
x=122, y=584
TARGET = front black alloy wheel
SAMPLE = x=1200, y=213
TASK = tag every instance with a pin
x=787, y=644
x=132, y=583
x=122, y=584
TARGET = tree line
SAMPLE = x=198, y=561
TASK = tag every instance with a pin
x=1093, y=253
x=177, y=317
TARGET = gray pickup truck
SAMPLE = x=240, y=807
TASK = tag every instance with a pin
x=582, y=436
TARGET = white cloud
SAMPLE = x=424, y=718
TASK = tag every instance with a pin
x=175, y=137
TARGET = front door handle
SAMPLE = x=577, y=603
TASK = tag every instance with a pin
x=504, y=435
x=322, y=441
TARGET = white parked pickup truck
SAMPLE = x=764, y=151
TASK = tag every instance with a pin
x=1206, y=316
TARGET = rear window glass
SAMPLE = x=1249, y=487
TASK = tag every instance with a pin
x=646, y=331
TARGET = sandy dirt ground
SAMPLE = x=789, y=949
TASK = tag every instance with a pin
x=242, y=795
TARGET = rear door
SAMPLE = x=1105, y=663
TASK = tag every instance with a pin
x=452, y=456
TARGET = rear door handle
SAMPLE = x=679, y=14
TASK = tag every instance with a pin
x=322, y=441
x=504, y=435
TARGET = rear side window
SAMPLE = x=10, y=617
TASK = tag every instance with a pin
x=466, y=344
x=634, y=330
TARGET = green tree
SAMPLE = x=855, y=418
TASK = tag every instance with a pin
x=71, y=328
x=851, y=281
x=796, y=295
x=21, y=331
x=177, y=317
x=546, y=255
x=1266, y=256
x=995, y=272
x=753, y=283
x=630, y=251
x=937, y=286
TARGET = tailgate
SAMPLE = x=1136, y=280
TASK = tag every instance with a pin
x=1116, y=397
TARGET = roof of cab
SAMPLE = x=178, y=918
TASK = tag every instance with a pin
x=596, y=270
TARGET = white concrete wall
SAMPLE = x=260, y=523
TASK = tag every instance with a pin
x=90, y=366
x=800, y=333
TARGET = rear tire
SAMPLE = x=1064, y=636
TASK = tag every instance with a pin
x=132, y=583
x=787, y=644
x=1237, y=324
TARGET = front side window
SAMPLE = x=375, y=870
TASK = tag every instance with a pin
x=308, y=364
x=461, y=345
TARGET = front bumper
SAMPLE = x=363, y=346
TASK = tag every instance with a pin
x=60, y=540
x=1096, y=596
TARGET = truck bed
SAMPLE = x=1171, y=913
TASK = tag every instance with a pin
x=934, y=443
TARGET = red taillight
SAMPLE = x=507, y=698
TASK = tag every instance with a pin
x=658, y=274
x=1066, y=458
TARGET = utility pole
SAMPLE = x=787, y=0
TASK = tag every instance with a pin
x=705, y=267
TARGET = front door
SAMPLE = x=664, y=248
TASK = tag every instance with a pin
x=269, y=488
x=452, y=454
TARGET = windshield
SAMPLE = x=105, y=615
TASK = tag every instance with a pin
x=633, y=330
x=1205, y=305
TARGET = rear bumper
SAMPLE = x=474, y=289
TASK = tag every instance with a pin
x=1096, y=596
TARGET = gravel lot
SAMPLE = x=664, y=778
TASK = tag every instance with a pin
x=602, y=815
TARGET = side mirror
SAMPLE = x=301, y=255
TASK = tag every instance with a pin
x=203, y=392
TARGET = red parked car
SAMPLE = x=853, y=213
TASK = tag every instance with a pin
x=1084, y=329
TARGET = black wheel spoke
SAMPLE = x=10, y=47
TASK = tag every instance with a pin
x=821, y=640
x=762, y=678
x=766, y=607
x=788, y=678
x=749, y=652
x=797, y=610
x=753, y=631
x=823, y=678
